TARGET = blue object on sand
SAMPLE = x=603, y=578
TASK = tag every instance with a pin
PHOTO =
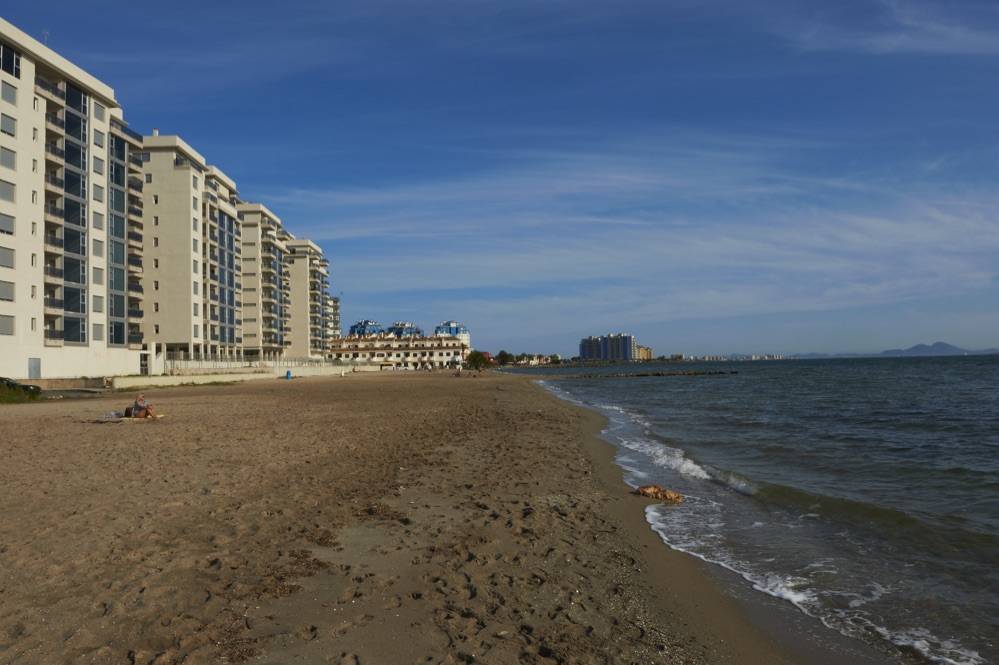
x=287, y=375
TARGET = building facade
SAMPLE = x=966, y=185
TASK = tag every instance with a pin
x=407, y=352
x=404, y=329
x=365, y=327
x=266, y=283
x=70, y=268
x=454, y=329
x=308, y=274
x=612, y=347
x=333, y=329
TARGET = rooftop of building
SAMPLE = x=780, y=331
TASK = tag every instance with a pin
x=157, y=141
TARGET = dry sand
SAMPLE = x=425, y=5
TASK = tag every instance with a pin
x=373, y=519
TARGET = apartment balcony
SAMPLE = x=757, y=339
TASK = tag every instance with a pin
x=135, y=313
x=53, y=243
x=50, y=91
x=54, y=184
x=134, y=239
x=54, y=306
x=134, y=287
x=53, y=337
x=55, y=154
x=135, y=184
x=54, y=123
x=135, y=161
x=135, y=340
x=53, y=275
x=135, y=267
x=135, y=212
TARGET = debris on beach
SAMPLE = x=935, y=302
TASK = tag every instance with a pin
x=659, y=493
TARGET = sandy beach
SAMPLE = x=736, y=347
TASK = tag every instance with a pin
x=372, y=519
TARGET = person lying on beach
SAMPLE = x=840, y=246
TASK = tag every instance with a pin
x=142, y=409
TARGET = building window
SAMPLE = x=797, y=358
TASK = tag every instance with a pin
x=8, y=93
x=195, y=332
x=195, y=288
x=98, y=138
x=156, y=328
x=6, y=258
x=195, y=310
x=156, y=263
x=97, y=302
x=8, y=159
x=98, y=111
x=98, y=335
x=7, y=190
x=98, y=166
x=156, y=285
x=34, y=260
x=8, y=125
x=156, y=220
x=10, y=60
x=6, y=224
x=194, y=202
x=7, y=291
x=156, y=199
x=194, y=224
x=149, y=178
x=6, y=325
x=156, y=307
x=34, y=324
x=98, y=221
x=98, y=248
x=156, y=241
x=98, y=276
x=194, y=183
x=98, y=193
x=194, y=264
x=194, y=244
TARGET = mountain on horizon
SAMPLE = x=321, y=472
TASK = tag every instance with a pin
x=935, y=349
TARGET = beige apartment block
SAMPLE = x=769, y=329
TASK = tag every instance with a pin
x=266, y=284
x=71, y=271
x=308, y=272
x=406, y=352
x=333, y=328
x=192, y=248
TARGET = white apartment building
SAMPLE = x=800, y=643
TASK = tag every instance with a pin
x=70, y=265
x=408, y=352
x=266, y=283
x=308, y=275
x=192, y=248
x=333, y=328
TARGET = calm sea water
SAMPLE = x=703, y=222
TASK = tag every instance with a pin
x=865, y=492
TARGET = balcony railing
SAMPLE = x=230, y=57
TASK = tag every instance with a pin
x=134, y=338
x=56, y=241
x=135, y=235
x=53, y=334
x=134, y=260
x=55, y=150
x=135, y=159
x=53, y=119
x=50, y=87
x=135, y=288
x=135, y=184
x=53, y=272
x=55, y=180
x=56, y=303
x=135, y=314
x=135, y=210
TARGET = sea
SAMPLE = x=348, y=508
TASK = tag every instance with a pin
x=864, y=492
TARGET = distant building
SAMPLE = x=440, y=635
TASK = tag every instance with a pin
x=645, y=352
x=609, y=347
x=454, y=329
x=404, y=329
x=333, y=320
x=390, y=350
x=365, y=327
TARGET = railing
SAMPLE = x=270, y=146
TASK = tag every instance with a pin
x=135, y=235
x=53, y=272
x=135, y=288
x=53, y=240
x=135, y=313
x=53, y=334
x=54, y=211
x=52, y=118
x=56, y=303
x=134, y=260
x=134, y=200
x=55, y=150
x=135, y=183
x=49, y=87
x=135, y=159
x=134, y=338
x=53, y=180
x=128, y=132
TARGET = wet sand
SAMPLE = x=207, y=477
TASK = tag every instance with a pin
x=373, y=519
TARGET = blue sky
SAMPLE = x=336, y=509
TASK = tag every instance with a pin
x=713, y=176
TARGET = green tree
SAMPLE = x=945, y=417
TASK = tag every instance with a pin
x=477, y=360
x=504, y=357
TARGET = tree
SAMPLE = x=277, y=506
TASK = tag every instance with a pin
x=477, y=360
x=504, y=357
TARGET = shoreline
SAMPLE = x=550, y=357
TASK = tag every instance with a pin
x=377, y=519
x=789, y=631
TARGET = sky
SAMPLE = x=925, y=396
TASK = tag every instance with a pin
x=713, y=176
